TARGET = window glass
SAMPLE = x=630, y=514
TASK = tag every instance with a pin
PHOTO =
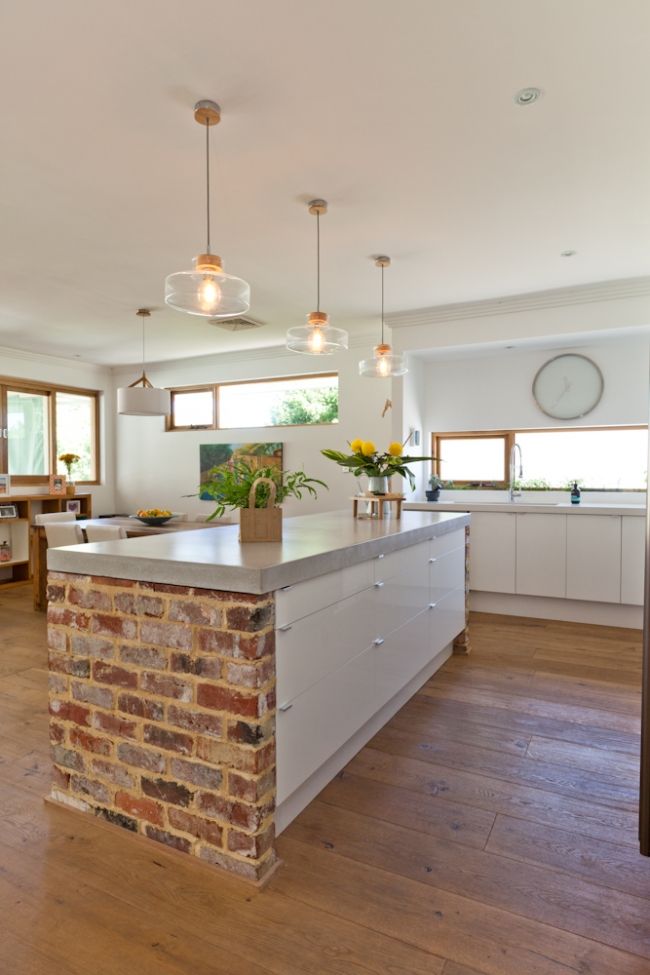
x=280, y=402
x=194, y=408
x=28, y=433
x=606, y=459
x=476, y=459
x=75, y=433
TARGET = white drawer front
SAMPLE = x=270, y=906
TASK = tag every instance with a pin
x=447, y=619
x=401, y=655
x=447, y=543
x=297, y=601
x=318, y=644
x=321, y=720
x=446, y=572
x=400, y=563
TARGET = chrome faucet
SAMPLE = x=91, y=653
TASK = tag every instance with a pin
x=512, y=494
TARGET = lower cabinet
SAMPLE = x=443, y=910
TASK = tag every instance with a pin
x=541, y=555
x=340, y=664
x=492, y=551
x=633, y=544
x=593, y=565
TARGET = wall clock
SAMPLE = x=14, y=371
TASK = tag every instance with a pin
x=568, y=386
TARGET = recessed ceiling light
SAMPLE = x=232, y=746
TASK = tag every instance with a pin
x=568, y=253
x=526, y=96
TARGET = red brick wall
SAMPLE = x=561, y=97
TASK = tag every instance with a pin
x=162, y=704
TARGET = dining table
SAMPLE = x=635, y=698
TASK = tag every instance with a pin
x=133, y=527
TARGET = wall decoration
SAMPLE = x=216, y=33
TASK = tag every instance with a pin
x=5, y=484
x=256, y=454
x=58, y=484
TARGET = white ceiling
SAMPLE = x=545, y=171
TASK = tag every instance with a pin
x=400, y=114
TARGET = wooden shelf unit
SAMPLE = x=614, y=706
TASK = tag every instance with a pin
x=19, y=531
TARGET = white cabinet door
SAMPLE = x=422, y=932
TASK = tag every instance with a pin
x=320, y=721
x=401, y=655
x=492, y=552
x=401, y=587
x=593, y=569
x=541, y=555
x=632, y=560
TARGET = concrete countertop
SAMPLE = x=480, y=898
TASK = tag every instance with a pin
x=560, y=508
x=312, y=545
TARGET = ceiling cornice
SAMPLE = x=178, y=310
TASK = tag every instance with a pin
x=54, y=359
x=532, y=301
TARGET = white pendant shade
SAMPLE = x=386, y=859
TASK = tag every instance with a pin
x=143, y=401
x=207, y=291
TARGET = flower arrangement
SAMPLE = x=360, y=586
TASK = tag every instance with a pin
x=69, y=460
x=230, y=484
x=366, y=459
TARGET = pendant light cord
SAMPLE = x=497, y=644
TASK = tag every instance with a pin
x=317, y=261
x=207, y=183
x=142, y=318
x=382, y=304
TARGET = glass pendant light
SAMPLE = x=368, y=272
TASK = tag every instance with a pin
x=385, y=363
x=142, y=398
x=207, y=290
x=317, y=337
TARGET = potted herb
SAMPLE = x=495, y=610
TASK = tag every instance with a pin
x=238, y=484
x=435, y=484
x=364, y=458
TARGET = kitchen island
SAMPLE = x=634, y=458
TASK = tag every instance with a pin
x=203, y=691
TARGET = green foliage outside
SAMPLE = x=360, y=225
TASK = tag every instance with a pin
x=307, y=406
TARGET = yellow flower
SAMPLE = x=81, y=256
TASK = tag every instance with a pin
x=356, y=445
x=368, y=448
x=395, y=449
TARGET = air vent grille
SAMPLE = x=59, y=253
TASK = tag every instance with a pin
x=236, y=324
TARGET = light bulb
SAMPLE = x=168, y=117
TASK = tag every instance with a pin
x=316, y=340
x=382, y=366
x=209, y=294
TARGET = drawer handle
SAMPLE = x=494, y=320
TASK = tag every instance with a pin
x=432, y=605
x=285, y=588
x=431, y=561
x=285, y=707
x=379, y=585
x=381, y=556
x=378, y=641
x=285, y=628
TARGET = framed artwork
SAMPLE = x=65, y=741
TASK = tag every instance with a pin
x=5, y=485
x=74, y=505
x=57, y=484
x=256, y=454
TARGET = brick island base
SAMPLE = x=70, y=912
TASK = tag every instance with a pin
x=162, y=704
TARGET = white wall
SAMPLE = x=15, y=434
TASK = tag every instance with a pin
x=70, y=372
x=156, y=468
x=494, y=392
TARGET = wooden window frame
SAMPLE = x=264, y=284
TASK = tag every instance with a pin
x=510, y=436
x=215, y=388
x=11, y=384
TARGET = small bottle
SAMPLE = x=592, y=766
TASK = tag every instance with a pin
x=575, y=493
x=5, y=552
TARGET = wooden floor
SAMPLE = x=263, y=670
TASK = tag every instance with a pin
x=489, y=828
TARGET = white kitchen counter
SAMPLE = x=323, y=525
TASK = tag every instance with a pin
x=559, y=508
x=312, y=545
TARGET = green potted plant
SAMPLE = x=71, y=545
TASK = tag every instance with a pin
x=364, y=458
x=238, y=484
x=435, y=484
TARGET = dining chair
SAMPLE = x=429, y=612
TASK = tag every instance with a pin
x=63, y=534
x=55, y=516
x=105, y=533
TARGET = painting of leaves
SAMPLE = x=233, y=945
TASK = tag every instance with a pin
x=255, y=454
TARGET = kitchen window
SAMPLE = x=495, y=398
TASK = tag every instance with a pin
x=38, y=422
x=598, y=458
x=286, y=401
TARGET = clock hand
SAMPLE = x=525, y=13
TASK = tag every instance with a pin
x=565, y=390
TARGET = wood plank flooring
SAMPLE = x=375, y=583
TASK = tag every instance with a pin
x=489, y=829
